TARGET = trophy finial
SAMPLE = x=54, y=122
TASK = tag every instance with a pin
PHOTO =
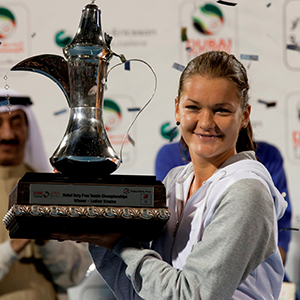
x=89, y=38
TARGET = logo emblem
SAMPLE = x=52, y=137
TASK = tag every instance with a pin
x=7, y=23
x=208, y=19
x=62, y=40
x=167, y=132
x=112, y=114
x=46, y=194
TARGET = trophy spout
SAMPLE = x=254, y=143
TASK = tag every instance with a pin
x=54, y=67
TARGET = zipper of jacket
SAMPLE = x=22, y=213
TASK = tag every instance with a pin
x=178, y=221
x=174, y=238
x=177, y=224
x=176, y=229
x=188, y=203
x=186, y=206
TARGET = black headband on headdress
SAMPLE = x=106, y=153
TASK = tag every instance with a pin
x=15, y=100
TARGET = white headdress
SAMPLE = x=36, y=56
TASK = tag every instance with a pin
x=34, y=155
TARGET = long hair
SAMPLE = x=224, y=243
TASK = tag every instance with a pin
x=219, y=64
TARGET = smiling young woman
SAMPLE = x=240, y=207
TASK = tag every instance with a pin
x=220, y=241
x=212, y=108
x=211, y=118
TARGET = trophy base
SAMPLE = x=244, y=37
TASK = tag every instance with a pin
x=39, y=222
x=42, y=204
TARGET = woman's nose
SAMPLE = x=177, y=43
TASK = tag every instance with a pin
x=206, y=120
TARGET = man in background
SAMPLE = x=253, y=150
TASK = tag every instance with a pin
x=29, y=269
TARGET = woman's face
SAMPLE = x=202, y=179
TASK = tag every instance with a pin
x=210, y=116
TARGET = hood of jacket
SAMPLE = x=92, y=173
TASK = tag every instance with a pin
x=239, y=166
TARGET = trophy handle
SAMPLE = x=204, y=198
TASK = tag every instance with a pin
x=53, y=66
x=124, y=60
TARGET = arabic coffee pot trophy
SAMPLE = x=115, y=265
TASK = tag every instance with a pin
x=85, y=147
x=42, y=203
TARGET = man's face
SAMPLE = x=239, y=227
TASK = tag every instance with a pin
x=13, y=137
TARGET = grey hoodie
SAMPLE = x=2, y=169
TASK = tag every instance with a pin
x=222, y=246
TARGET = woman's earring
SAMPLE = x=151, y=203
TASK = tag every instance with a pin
x=177, y=123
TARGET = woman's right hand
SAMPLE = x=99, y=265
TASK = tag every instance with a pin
x=19, y=244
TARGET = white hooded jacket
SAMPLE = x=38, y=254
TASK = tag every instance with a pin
x=222, y=246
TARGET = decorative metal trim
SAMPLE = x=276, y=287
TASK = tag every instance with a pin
x=85, y=211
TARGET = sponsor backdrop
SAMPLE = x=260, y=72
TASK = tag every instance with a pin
x=263, y=34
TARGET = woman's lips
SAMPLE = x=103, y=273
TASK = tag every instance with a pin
x=207, y=136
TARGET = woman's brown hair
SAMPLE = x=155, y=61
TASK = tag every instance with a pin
x=219, y=64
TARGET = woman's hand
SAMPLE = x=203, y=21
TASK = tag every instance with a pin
x=19, y=244
x=106, y=240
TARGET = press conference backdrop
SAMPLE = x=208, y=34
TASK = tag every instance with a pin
x=263, y=34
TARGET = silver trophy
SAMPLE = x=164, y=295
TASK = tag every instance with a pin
x=85, y=147
x=85, y=196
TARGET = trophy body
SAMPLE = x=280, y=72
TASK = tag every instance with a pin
x=84, y=197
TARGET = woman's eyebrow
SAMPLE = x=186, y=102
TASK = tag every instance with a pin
x=194, y=101
x=223, y=104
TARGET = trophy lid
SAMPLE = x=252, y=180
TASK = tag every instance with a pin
x=89, y=40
